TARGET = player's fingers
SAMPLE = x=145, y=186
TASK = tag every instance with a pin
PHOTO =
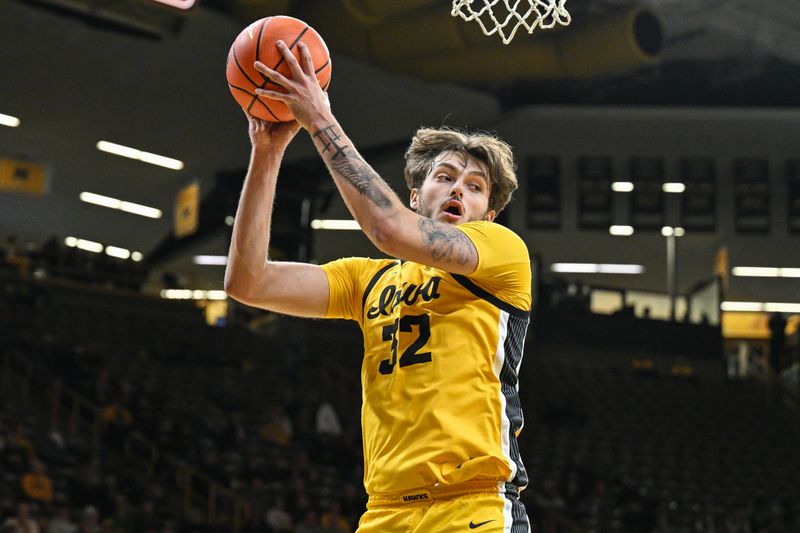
x=275, y=95
x=294, y=66
x=308, y=63
x=272, y=75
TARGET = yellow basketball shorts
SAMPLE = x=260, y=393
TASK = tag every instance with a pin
x=481, y=512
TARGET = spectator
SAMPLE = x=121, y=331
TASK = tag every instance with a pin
x=90, y=521
x=332, y=519
x=122, y=519
x=328, y=421
x=147, y=521
x=738, y=522
x=116, y=419
x=62, y=522
x=21, y=522
x=310, y=524
x=277, y=518
x=36, y=484
x=278, y=428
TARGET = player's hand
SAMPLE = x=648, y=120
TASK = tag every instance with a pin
x=266, y=134
x=304, y=97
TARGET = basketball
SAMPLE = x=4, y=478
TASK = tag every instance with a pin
x=258, y=42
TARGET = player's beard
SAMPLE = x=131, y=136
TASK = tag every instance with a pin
x=422, y=209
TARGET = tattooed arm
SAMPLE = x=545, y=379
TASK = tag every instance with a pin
x=395, y=229
x=390, y=225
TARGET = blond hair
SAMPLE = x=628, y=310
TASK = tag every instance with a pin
x=496, y=154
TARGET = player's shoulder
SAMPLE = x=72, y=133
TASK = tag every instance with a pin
x=361, y=266
x=493, y=232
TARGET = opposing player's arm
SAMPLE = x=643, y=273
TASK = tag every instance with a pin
x=250, y=277
x=389, y=224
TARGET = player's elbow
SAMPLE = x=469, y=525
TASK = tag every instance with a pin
x=384, y=236
x=234, y=289
x=237, y=286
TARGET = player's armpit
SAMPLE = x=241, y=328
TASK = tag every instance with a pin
x=422, y=240
x=297, y=289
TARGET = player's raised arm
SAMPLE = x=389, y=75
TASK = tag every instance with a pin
x=392, y=227
x=250, y=277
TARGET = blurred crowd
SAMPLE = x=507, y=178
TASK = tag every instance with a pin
x=278, y=425
x=52, y=259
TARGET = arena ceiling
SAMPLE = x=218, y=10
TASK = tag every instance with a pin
x=75, y=75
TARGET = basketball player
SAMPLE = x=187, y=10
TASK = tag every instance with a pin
x=444, y=322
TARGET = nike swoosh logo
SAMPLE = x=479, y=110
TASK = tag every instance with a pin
x=473, y=525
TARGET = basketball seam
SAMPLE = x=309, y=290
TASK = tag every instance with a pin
x=267, y=107
x=240, y=89
x=322, y=67
x=258, y=42
x=267, y=80
x=236, y=60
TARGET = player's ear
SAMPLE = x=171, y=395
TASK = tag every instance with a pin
x=490, y=215
x=413, y=201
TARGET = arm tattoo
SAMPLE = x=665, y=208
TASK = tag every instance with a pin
x=445, y=242
x=352, y=168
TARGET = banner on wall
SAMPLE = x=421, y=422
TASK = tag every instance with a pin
x=187, y=210
x=22, y=177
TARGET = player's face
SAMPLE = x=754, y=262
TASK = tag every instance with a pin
x=456, y=190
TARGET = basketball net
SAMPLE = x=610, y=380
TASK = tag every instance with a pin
x=506, y=16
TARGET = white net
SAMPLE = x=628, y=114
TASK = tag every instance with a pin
x=505, y=17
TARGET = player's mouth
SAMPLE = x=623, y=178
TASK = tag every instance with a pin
x=453, y=210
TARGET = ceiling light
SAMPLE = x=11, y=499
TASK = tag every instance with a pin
x=621, y=230
x=757, y=272
x=8, y=120
x=335, y=224
x=229, y=220
x=141, y=210
x=668, y=231
x=766, y=272
x=113, y=203
x=133, y=153
x=121, y=253
x=72, y=242
x=673, y=187
x=211, y=260
x=742, y=306
x=622, y=186
x=776, y=307
x=99, y=199
x=137, y=256
x=621, y=269
x=188, y=294
x=596, y=268
x=769, y=307
x=89, y=246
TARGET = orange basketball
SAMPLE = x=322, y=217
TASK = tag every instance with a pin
x=257, y=42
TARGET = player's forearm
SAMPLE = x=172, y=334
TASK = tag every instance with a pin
x=247, y=256
x=370, y=199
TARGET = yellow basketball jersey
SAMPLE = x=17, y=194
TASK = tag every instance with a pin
x=441, y=358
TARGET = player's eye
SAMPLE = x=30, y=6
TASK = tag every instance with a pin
x=444, y=177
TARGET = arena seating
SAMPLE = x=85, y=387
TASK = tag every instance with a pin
x=609, y=447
